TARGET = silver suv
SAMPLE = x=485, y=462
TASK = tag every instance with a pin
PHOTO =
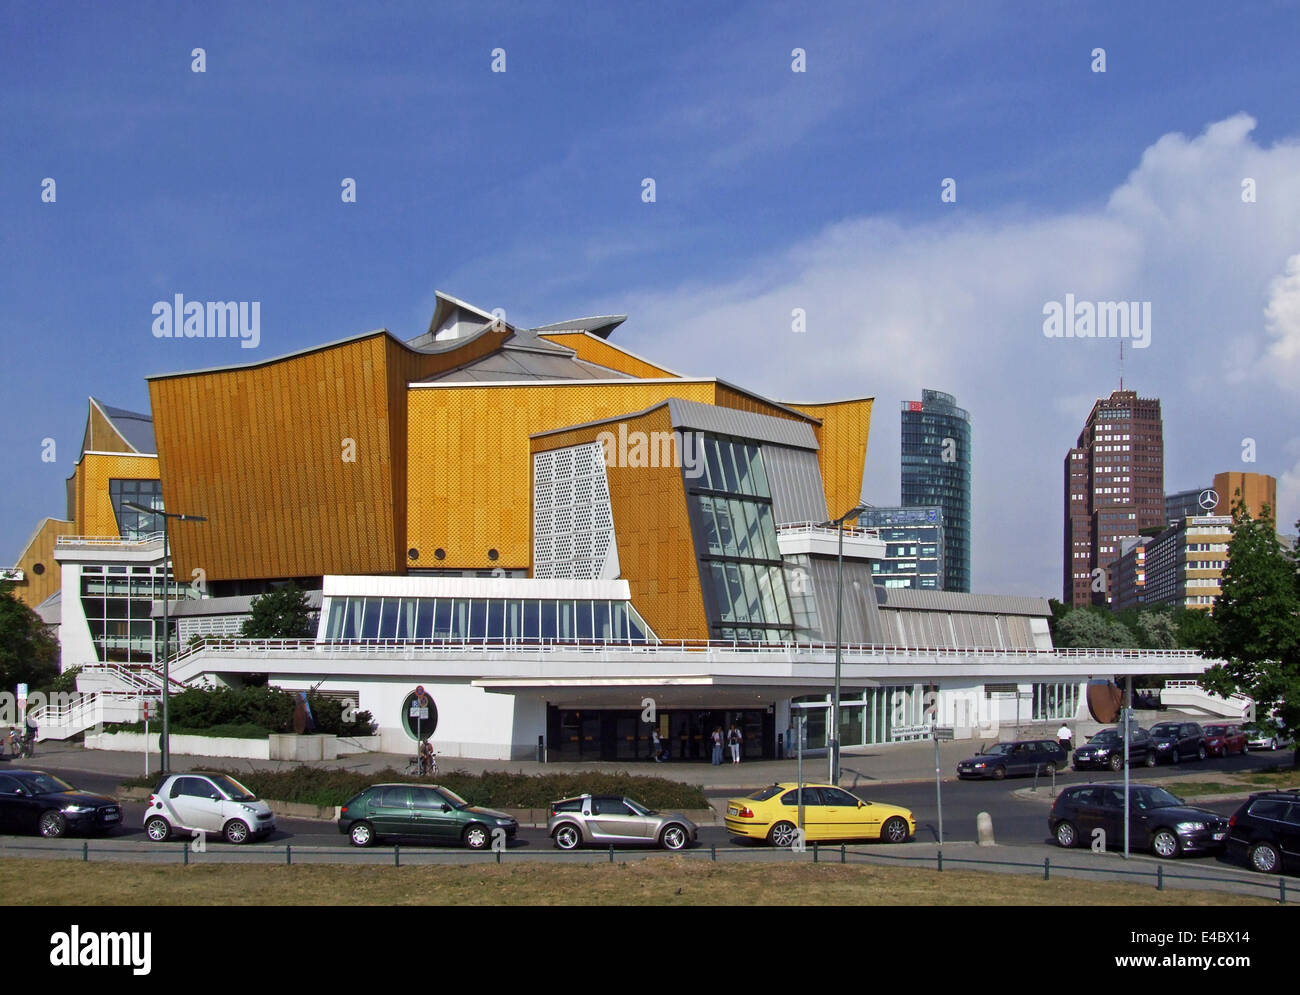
x=610, y=819
x=206, y=803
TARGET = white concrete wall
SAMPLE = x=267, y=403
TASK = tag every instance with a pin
x=77, y=649
x=209, y=746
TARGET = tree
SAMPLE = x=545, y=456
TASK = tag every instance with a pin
x=280, y=614
x=1157, y=630
x=29, y=654
x=1093, y=629
x=1256, y=621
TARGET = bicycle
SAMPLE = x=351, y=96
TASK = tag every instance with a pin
x=420, y=767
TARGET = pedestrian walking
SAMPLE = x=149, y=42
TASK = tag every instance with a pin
x=790, y=747
x=657, y=746
x=733, y=740
x=1063, y=737
x=717, y=745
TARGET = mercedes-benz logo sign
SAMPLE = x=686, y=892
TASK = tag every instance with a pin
x=1209, y=499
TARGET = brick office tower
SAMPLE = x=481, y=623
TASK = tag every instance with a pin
x=1114, y=487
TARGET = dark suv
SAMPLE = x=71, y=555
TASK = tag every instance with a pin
x=1158, y=820
x=1175, y=741
x=1266, y=831
x=1105, y=750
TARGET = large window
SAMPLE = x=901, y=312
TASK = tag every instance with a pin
x=132, y=524
x=740, y=561
x=1056, y=701
x=117, y=600
x=484, y=620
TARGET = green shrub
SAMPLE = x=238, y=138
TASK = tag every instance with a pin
x=497, y=789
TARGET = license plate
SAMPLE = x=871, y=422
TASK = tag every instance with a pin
x=111, y=816
x=732, y=810
x=1219, y=836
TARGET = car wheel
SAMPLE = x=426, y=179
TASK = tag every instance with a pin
x=1272, y=744
x=999, y=773
x=1151, y=759
x=237, y=831
x=1116, y=762
x=567, y=837
x=476, y=837
x=1200, y=753
x=1165, y=843
x=1264, y=858
x=1175, y=757
x=673, y=837
x=52, y=824
x=783, y=834
x=361, y=834
x=158, y=829
x=1066, y=835
x=895, y=830
x=1049, y=770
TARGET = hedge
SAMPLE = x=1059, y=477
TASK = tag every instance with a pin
x=497, y=789
x=271, y=709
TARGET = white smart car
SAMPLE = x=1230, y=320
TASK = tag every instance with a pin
x=206, y=803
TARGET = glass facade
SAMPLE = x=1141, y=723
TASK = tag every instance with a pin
x=936, y=470
x=1056, y=701
x=485, y=620
x=132, y=524
x=913, y=539
x=867, y=718
x=735, y=538
x=118, y=603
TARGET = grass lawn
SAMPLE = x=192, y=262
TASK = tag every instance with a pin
x=1236, y=784
x=653, y=881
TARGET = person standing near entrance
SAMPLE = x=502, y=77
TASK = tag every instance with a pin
x=657, y=746
x=733, y=740
x=717, y=745
x=1063, y=737
x=790, y=747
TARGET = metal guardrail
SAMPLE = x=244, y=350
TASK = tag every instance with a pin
x=107, y=540
x=814, y=853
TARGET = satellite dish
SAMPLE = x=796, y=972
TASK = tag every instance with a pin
x=1105, y=699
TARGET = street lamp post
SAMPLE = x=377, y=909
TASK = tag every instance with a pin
x=833, y=732
x=165, y=752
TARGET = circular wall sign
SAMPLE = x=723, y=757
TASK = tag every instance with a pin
x=1209, y=499
x=419, y=720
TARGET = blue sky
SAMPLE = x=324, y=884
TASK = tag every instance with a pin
x=774, y=190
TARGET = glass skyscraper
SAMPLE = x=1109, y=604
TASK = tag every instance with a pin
x=936, y=465
x=913, y=539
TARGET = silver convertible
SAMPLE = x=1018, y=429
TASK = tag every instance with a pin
x=610, y=820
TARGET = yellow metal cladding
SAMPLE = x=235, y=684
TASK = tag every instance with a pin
x=95, y=516
x=652, y=526
x=594, y=349
x=298, y=463
x=1257, y=490
x=469, y=483
x=42, y=575
x=843, y=435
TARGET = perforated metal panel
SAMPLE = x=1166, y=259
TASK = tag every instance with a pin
x=573, y=523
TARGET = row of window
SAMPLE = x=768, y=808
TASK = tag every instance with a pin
x=523, y=619
x=737, y=527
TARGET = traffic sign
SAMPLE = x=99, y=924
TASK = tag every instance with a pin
x=923, y=730
x=943, y=732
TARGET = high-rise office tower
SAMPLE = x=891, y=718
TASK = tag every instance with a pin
x=936, y=463
x=1114, y=488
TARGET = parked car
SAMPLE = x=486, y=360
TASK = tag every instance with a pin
x=1026, y=756
x=1105, y=750
x=612, y=819
x=1158, y=821
x=201, y=802
x=829, y=813
x=34, y=801
x=1263, y=737
x=1266, y=831
x=1177, y=741
x=1225, y=740
x=428, y=812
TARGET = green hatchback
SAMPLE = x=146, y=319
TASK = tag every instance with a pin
x=430, y=813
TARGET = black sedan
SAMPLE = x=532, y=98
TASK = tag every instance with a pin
x=33, y=801
x=1158, y=821
x=1021, y=757
x=1105, y=751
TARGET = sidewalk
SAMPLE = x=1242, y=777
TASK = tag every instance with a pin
x=887, y=764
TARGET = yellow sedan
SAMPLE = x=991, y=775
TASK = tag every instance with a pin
x=829, y=813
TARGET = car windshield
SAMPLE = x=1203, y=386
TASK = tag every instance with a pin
x=763, y=794
x=231, y=788
x=1216, y=730
x=636, y=807
x=454, y=798
x=1107, y=736
x=999, y=749
x=1154, y=798
x=1165, y=729
x=44, y=784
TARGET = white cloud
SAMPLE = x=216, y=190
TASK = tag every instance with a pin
x=957, y=305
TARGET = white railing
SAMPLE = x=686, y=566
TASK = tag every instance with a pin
x=107, y=540
x=816, y=528
x=435, y=646
x=87, y=710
